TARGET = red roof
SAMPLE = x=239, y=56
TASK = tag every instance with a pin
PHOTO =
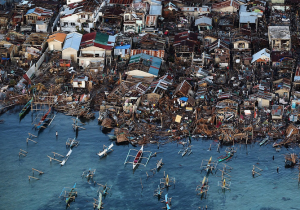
x=86, y=38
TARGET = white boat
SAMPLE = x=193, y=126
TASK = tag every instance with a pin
x=66, y=158
x=137, y=157
x=105, y=151
x=99, y=201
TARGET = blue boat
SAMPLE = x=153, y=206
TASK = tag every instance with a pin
x=43, y=119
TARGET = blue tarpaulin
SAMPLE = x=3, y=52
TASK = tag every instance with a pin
x=123, y=47
x=5, y=59
x=184, y=99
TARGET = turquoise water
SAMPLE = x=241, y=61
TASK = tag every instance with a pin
x=271, y=190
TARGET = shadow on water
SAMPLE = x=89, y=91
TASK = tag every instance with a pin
x=106, y=130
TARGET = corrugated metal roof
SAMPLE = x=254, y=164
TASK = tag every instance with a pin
x=155, y=62
x=155, y=10
x=73, y=41
x=101, y=38
x=203, y=20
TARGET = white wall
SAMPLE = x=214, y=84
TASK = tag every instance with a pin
x=68, y=53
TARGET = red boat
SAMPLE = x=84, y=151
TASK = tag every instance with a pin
x=137, y=157
x=41, y=123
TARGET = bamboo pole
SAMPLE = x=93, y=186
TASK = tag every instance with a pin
x=30, y=134
x=55, y=153
x=32, y=177
x=23, y=151
x=33, y=169
x=30, y=140
x=51, y=158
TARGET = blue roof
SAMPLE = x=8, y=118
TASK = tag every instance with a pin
x=72, y=41
x=30, y=11
x=123, y=47
x=155, y=64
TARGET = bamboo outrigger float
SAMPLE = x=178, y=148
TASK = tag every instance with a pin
x=25, y=108
x=138, y=157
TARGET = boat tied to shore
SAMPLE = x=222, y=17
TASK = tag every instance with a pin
x=25, y=108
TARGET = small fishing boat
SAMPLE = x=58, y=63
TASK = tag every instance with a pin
x=69, y=195
x=42, y=121
x=25, y=108
x=263, y=141
x=167, y=201
x=137, y=157
x=228, y=156
x=72, y=194
x=66, y=158
x=159, y=164
x=106, y=150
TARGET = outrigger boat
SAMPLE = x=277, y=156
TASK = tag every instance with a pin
x=158, y=192
x=105, y=189
x=66, y=158
x=70, y=196
x=105, y=151
x=210, y=166
x=138, y=157
x=165, y=182
x=89, y=174
x=42, y=121
x=204, y=187
x=25, y=108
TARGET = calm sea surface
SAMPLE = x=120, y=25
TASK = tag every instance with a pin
x=270, y=191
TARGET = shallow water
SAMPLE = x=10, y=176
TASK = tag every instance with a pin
x=271, y=190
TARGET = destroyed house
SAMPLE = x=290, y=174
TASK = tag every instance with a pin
x=277, y=112
x=184, y=45
x=120, y=2
x=262, y=97
x=143, y=65
x=81, y=82
x=4, y=18
x=183, y=88
x=133, y=21
x=80, y=16
x=282, y=60
x=279, y=38
x=195, y=11
x=241, y=51
x=155, y=53
x=152, y=42
x=7, y=50
x=221, y=53
x=34, y=45
x=203, y=23
x=161, y=84
x=38, y=14
x=119, y=91
x=282, y=87
x=226, y=6
x=152, y=18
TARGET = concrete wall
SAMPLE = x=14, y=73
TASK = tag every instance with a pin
x=54, y=45
x=70, y=53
